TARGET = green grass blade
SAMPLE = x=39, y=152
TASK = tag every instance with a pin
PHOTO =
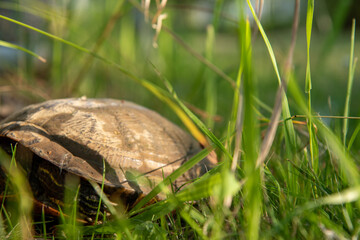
x=211, y=83
x=202, y=188
x=252, y=187
x=289, y=128
x=202, y=126
x=346, y=196
x=166, y=97
x=43, y=220
x=309, y=22
x=38, y=9
x=14, y=46
x=193, y=224
x=308, y=86
x=353, y=136
x=22, y=187
x=46, y=34
x=352, y=65
x=213, y=184
x=210, y=87
x=177, y=173
x=193, y=117
x=266, y=41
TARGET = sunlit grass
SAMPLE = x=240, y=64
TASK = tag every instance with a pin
x=277, y=177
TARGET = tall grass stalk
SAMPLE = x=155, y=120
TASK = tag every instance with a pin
x=252, y=187
x=308, y=85
x=290, y=135
x=352, y=65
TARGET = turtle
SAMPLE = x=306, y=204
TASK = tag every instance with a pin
x=125, y=146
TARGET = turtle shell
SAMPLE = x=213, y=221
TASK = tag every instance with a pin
x=82, y=136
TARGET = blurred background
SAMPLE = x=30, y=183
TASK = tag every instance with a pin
x=119, y=32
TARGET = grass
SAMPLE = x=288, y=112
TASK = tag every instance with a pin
x=278, y=177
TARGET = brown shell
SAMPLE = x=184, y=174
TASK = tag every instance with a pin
x=80, y=135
